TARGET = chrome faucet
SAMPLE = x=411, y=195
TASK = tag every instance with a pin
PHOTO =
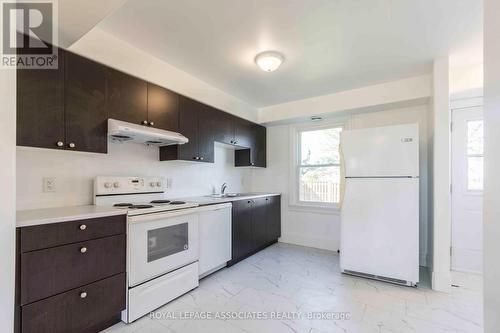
x=223, y=188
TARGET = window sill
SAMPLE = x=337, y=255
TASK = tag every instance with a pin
x=316, y=209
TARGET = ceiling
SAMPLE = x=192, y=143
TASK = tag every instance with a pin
x=329, y=45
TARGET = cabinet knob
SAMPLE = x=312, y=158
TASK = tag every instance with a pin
x=201, y=158
x=60, y=143
x=83, y=227
x=151, y=123
x=83, y=249
x=72, y=145
x=144, y=122
x=83, y=294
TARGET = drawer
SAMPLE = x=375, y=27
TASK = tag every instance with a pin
x=161, y=290
x=69, y=312
x=55, y=234
x=51, y=271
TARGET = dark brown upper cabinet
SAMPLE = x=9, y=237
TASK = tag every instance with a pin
x=194, y=123
x=85, y=104
x=126, y=97
x=67, y=108
x=223, y=126
x=255, y=155
x=163, y=108
x=40, y=106
x=243, y=131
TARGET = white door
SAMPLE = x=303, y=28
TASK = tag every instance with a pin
x=467, y=190
x=389, y=151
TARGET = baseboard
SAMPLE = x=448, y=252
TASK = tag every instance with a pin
x=318, y=243
x=441, y=281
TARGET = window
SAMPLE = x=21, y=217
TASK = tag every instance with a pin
x=317, y=166
x=475, y=155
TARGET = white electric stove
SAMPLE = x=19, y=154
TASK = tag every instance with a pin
x=162, y=241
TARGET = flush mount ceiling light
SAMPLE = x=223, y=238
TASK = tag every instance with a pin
x=269, y=61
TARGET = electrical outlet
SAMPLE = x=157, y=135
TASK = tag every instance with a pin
x=49, y=184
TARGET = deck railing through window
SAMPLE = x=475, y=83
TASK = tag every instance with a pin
x=319, y=191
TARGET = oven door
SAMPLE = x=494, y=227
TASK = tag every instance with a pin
x=159, y=243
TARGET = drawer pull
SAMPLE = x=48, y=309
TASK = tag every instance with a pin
x=83, y=249
x=83, y=227
x=83, y=294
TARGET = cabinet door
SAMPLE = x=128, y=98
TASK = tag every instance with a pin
x=126, y=97
x=163, y=108
x=274, y=217
x=188, y=126
x=40, y=106
x=242, y=233
x=206, y=134
x=223, y=125
x=258, y=147
x=259, y=223
x=85, y=101
x=242, y=132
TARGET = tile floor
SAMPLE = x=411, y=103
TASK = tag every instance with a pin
x=289, y=280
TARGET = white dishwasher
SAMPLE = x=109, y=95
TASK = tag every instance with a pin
x=214, y=227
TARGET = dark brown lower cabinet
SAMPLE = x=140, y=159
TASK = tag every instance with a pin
x=71, y=276
x=256, y=224
x=89, y=308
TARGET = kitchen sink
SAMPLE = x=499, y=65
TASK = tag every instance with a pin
x=226, y=195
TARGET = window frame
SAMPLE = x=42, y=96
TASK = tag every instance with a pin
x=295, y=165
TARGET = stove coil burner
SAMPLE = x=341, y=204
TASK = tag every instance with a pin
x=160, y=201
x=177, y=202
x=140, y=206
x=122, y=204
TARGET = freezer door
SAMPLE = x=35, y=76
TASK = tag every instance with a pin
x=380, y=227
x=382, y=151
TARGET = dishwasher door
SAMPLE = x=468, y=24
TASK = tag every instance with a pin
x=215, y=237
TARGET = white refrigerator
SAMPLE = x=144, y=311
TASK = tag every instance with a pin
x=380, y=204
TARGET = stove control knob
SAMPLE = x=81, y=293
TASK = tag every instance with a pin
x=158, y=184
x=116, y=184
x=107, y=185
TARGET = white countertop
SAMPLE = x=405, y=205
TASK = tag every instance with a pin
x=209, y=200
x=30, y=217
x=63, y=214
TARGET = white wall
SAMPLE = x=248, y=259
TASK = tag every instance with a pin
x=466, y=81
x=492, y=165
x=317, y=228
x=441, y=235
x=108, y=50
x=7, y=197
x=401, y=91
x=74, y=172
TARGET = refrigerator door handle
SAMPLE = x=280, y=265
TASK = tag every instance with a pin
x=342, y=177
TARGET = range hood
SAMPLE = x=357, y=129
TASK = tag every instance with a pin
x=127, y=132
